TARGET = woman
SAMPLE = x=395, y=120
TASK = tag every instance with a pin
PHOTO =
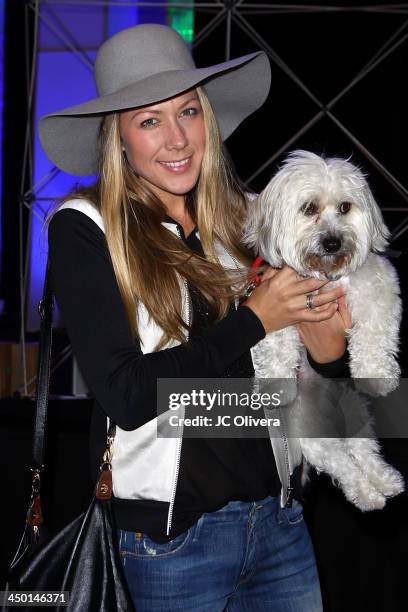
x=146, y=267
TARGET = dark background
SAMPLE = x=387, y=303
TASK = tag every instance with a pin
x=326, y=49
x=361, y=556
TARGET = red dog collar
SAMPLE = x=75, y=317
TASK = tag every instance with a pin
x=256, y=280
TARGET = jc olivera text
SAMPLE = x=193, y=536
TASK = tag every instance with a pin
x=225, y=420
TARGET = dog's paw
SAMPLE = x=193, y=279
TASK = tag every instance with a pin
x=360, y=492
x=369, y=499
x=376, y=386
x=366, y=454
x=388, y=481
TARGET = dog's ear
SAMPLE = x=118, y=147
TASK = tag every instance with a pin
x=262, y=227
x=379, y=231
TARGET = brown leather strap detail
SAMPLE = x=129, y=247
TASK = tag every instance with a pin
x=104, y=485
x=34, y=514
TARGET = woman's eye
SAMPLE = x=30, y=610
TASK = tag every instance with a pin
x=309, y=208
x=190, y=111
x=147, y=122
x=344, y=207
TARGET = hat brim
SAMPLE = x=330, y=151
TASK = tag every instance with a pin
x=235, y=88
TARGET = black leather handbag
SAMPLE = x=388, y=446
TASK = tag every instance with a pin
x=82, y=559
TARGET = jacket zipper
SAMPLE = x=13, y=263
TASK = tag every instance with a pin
x=174, y=487
x=289, y=488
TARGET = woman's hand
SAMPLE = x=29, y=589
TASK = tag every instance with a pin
x=325, y=340
x=280, y=299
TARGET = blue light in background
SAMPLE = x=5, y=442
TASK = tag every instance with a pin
x=121, y=17
x=64, y=78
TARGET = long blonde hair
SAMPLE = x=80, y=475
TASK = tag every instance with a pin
x=144, y=254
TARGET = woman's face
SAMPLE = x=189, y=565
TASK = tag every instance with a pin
x=164, y=144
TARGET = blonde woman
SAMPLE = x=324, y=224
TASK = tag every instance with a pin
x=146, y=267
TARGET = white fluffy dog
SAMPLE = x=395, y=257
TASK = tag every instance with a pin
x=319, y=217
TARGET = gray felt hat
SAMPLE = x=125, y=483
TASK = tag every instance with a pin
x=143, y=65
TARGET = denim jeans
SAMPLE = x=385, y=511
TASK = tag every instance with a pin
x=247, y=557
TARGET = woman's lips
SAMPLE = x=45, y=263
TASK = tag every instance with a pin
x=177, y=167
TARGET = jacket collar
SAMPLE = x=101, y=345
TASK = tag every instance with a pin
x=175, y=227
x=169, y=219
x=223, y=255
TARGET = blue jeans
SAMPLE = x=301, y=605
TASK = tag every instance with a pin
x=246, y=557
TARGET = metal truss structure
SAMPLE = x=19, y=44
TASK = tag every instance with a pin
x=223, y=13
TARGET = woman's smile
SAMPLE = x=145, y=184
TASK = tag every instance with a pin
x=177, y=167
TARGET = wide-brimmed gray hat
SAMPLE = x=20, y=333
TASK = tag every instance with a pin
x=144, y=65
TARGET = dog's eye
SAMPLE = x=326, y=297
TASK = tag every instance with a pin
x=344, y=207
x=309, y=208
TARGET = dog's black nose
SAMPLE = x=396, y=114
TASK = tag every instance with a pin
x=331, y=244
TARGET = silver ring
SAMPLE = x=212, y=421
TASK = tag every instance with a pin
x=309, y=301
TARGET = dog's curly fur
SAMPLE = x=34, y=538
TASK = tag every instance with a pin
x=319, y=217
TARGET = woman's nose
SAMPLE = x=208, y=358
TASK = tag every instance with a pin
x=176, y=135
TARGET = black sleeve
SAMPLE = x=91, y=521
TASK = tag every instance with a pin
x=120, y=377
x=333, y=369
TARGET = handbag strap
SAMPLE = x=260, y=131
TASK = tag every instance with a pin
x=45, y=309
